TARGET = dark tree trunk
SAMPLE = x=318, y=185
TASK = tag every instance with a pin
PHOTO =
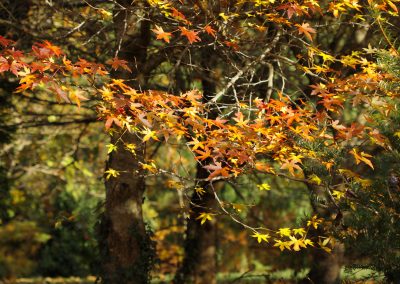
x=127, y=251
x=200, y=263
x=325, y=267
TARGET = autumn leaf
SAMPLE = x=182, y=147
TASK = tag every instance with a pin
x=208, y=29
x=264, y=186
x=5, y=42
x=54, y=49
x=217, y=170
x=111, y=173
x=362, y=157
x=110, y=120
x=199, y=190
x=306, y=29
x=203, y=154
x=291, y=166
x=161, y=34
x=284, y=232
x=314, y=222
x=191, y=35
x=297, y=243
x=148, y=133
x=315, y=179
x=261, y=237
x=4, y=66
x=204, y=216
x=111, y=148
x=117, y=63
x=282, y=245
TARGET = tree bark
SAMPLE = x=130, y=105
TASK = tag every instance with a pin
x=325, y=267
x=127, y=251
x=200, y=263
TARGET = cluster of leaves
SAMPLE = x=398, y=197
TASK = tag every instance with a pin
x=278, y=136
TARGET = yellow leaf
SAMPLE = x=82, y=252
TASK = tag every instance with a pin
x=150, y=167
x=282, y=245
x=131, y=148
x=284, y=232
x=314, y=222
x=148, y=133
x=362, y=157
x=204, y=216
x=315, y=179
x=299, y=231
x=338, y=194
x=261, y=237
x=264, y=186
x=199, y=190
x=111, y=148
x=297, y=243
x=111, y=173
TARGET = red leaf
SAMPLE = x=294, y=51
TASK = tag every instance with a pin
x=4, y=66
x=5, y=42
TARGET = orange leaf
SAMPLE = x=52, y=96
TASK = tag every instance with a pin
x=217, y=170
x=306, y=29
x=116, y=63
x=191, y=35
x=161, y=34
x=210, y=30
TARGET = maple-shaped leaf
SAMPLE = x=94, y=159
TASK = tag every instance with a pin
x=297, y=243
x=77, y=96
x=148, y=133
x=191, y=35
x=178, y=15
x=306, y=29
x=117, y=63
x=217, y=170
x=110, y=120
x=282, y=245
x=55, y=49
x=208, y=29
x=362, y=157
x=203, y=154
x=204, y=216
x=161, y=34
x=261, y=237
x=290, y=166
x=285, y=232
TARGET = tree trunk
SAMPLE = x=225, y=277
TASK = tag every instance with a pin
x=127, y=251
x=325, y=267
x=199, y=264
